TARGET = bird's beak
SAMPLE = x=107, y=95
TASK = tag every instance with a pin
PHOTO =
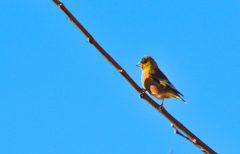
x=139, y=64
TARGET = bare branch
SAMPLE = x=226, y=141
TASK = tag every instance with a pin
x=142, y=94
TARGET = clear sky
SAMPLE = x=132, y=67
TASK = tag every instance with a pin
x=59, y=95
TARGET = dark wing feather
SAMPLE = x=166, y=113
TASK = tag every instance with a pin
x=157, y=74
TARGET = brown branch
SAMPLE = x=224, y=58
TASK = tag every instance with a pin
x=142, y=94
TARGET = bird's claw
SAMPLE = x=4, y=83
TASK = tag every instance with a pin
x=142, y=95
x=160, y=107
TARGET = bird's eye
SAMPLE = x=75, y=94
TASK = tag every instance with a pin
x=144, y=61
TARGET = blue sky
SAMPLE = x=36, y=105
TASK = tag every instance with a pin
x=59, y=95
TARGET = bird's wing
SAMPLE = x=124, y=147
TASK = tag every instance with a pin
x=157, y=75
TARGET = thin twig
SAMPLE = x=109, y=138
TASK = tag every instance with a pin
x=176, y=131
x=142, y=94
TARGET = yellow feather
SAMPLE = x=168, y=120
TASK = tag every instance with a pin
x=163, y=83
x=167, y=95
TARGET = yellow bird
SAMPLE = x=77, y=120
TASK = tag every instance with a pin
x=155, y=82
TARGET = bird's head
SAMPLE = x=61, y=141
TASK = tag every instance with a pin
x=147, y=63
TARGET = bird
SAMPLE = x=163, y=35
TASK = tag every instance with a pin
x=155, y=82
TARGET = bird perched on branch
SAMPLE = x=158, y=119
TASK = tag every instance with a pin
x=155, y=82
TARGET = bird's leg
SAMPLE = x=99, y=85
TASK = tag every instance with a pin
x=161, y=106
x=162, y=102
x=144, y=89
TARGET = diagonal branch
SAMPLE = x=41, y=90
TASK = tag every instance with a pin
x=142, y=94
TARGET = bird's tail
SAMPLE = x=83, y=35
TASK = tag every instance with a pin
x=181, y=99
x=168, y=94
